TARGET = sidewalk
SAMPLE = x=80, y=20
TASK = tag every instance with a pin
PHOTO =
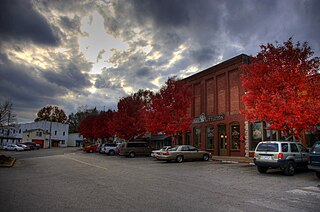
x=229, y=159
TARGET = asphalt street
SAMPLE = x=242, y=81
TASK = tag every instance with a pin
x=71, y=180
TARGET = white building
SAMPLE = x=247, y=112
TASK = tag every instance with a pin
x=75, y=139
x=55, y=132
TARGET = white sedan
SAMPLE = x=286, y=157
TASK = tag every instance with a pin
x=13, y=147
x=154, y=153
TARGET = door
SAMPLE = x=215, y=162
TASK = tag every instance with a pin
x=222, y=140
x=304, y=154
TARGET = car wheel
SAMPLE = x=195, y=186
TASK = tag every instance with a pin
x=132, y=154
x=289, y=170
x=262, y=169
x=205, y=157
x=179, y=158
x=16, y=150
x=318, y=174
x=112, y=153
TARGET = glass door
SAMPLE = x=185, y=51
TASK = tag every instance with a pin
x=222, y=140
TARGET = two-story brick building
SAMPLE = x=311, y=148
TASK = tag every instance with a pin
x=218, y=125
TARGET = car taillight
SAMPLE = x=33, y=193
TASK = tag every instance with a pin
x=254, y=154
x=166, y=153
x=309, y=158
x=280, y=156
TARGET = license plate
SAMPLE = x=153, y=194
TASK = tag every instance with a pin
x=266, y=157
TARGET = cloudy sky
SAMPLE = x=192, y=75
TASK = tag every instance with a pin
x=73, y=53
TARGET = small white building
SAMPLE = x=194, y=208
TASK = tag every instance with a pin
x=75, y=139
x=46, y=133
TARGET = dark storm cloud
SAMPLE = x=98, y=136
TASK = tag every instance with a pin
x=21, y=84
x=70, y=78
x=19, y=21
x=162, y=12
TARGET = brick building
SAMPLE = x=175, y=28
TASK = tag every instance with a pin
x=218, y=126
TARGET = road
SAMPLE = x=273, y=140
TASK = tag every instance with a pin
x=71, y=180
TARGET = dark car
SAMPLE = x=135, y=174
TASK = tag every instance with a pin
x=314, y=158
x=31, y=145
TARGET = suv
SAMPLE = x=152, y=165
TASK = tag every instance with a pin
x=132, y=149
x=286, y=155
x=314, y=158
x=110, y=149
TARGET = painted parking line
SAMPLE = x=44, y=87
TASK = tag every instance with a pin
x=88, y=164
x=306, y=191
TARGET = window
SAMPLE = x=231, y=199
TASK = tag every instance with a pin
x=294, y=148
x=265, y=147
x=256, y=134
x=235, y=136
x=187, y=138
x=55, y=132
x=271, y=135
x=284, y=147
x=64, y=133
x=302, y=148
x=62, y=142
x=39, y=134
x=20, y=131
x=196, y=136
x=185, y=148
x=210, y=137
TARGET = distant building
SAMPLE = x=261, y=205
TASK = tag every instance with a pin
x=8, y=134
x=75, y=139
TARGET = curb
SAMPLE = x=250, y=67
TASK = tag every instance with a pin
x=10, y=164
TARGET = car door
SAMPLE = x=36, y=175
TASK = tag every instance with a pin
x=304, y=154
x=185, y=152
x=295, y=153
x=194, y=153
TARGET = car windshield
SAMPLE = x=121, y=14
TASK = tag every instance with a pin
x=268, y=147
x=316, y=148
x=173, y=148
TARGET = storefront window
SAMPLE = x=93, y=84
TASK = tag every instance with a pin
x=210, y=137
x=197, y=137
x=271, y=135
x=179, y=139
x=187, y=138
x=256, y=135
x=235, y=136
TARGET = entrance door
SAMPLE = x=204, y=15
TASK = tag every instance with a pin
x=222, y=140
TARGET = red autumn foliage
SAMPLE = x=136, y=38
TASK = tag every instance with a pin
x=103, y=125
x=86, y=127
x=282, y=87
x=129, y=120
x=169, y=109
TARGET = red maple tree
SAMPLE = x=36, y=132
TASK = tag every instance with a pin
x=103, y=125
x=169, y=109
x=86, y=127
x=129, y=120
x=280, y=84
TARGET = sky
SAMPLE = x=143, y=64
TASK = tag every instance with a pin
x=78, y=53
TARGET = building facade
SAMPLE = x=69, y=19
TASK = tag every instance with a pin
x=218, y=125
x=54, y=134
x=75, y=140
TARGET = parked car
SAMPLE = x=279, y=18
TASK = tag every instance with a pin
x=110, y=149
x=182, y=153
x=13, y=147
x=91, y=148
x=31, y=145
x=314, y=158
x=25, y=147
x=286, y=155
x=154, y=153
x=131, y=149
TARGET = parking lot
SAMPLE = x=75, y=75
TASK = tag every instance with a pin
x=71, y=180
